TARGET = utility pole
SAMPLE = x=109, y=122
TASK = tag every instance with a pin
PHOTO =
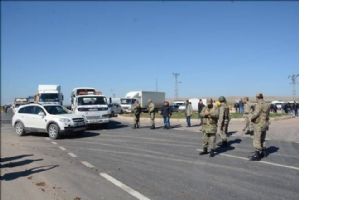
x=293, y=78
x=176, y=85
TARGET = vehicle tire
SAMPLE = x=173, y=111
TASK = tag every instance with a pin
x=53, y=131
x=20, y=129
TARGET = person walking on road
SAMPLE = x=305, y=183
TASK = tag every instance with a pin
x=209, y=128
x=151, y=111
x=188, y=113
x=199, y=109
x=137, y=109
x=260, y=117
x=223, y=120
x=166, y=113
x=248, y=128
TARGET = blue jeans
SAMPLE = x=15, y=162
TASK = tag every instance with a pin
x=167, y=122
x=188, y=121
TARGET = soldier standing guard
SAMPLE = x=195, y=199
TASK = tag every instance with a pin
x=248, y=128
x=136, y=112
x=223, y=120
x=151, y=111
x=260, y=117
x=209, y=127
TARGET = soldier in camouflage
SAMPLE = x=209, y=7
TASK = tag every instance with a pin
x=248, y=128
x=136, y=110
x=223, y=120
x=209, y=116
x=260, y=118
x=151, y=111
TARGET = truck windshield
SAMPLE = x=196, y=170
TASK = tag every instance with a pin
x=92, y=101
x=49, y=97
x=128, y=101
x=55, y=110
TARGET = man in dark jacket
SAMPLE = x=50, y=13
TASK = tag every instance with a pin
x=166, y=113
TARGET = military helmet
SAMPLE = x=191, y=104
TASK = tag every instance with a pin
x=222, y=99
x=259, y=96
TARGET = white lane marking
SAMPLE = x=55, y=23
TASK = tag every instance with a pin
x=265, y=162
x=72, y=155
x=87, y=164
x=53, y=142
x=124, y=187
x=62, y=148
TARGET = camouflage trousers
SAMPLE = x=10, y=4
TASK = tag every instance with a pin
x=223, y=130
x=152, y=118
x=259, y=138
x=136, y=120
x=248, y=124
x=209, y=140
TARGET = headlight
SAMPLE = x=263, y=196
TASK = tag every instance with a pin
x=65, y=120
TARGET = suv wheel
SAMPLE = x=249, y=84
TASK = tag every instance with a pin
x=20, y=129
x=53, y=131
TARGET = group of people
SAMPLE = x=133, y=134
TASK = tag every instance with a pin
x=215, y=118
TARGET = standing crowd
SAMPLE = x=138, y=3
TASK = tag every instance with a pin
x=215, y=118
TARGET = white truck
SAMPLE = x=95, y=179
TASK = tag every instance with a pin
x=158, y=99
x=91, y=104
x=49, y=95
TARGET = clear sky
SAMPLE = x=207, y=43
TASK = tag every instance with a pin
x=219, y=48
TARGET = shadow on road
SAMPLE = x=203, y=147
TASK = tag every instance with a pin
x=272, y=149
x=14, y=175
x=229, y=146
x=110, y=125
x=6, y=159
x=18, y=163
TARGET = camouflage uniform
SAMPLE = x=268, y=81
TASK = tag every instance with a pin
x=209, y=127
x=136, y=113
x=223, y=120
x=260, y=117
x=247, y=114
x=151, y=111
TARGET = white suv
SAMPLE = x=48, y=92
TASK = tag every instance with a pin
x=52, y=119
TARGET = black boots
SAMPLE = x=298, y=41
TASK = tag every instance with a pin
x=204, y=151
x=258, y=155
x=152, y=127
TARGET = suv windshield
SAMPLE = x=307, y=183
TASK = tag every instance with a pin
x=55, y=110
x=49, y=97
x=92, y=100
x=128, y=101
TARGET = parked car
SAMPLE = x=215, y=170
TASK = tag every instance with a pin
x=52, y=119
x=115, y=109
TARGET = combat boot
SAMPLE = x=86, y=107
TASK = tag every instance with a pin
x=204, y=151
x=256, y=157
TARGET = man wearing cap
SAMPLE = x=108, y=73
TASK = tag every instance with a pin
x=151, y=111
x=260, y=118
x=223, y=120
x=209, y=127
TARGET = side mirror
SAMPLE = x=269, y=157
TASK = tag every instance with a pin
x=41, y=114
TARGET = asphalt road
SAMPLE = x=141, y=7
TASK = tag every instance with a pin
x=124, y=163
